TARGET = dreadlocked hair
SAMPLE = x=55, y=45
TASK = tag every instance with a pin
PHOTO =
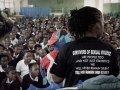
x=83, y=20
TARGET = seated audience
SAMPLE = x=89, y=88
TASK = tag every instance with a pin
x=22, y=65
x=34, y=77
x=11, y=82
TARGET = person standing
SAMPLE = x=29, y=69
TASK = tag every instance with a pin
x=87, y=56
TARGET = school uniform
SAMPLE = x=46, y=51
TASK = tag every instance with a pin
x=35, y=20
x=17, y=57
x=23, y=68
x=1, y=69
x=37, y=58
x=2, y=75
x=37, y=82
x=33, y=34
x=15, y=60
x=43, y=46
x=10, y=85
x=17, y=35
x=10, y=48
x=12, y=63
x=15, y=41
x=40, y=40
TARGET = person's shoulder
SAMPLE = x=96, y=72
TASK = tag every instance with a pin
x=26, y=76
x=69, y=43
x=106, y=44
x=21, y=62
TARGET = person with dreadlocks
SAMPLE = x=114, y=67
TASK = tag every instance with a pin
x=87, y=56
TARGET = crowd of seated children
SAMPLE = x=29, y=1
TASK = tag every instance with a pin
x=11, y=61
x=27, y=42
x=112, y=32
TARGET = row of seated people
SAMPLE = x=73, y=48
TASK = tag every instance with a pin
x=9, y=75
x=27, y=43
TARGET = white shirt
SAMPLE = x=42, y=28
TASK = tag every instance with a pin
x=15, y=41
x=33, y=33
x=23, y=68
x=35, y=20
x=42, y=26
x=1, y=69
x=16, y=56
x=8, y=81
x=43, y=46
x=18, y=33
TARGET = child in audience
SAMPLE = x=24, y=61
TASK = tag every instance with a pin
x=16, y=31
x=44, y=52
x=40, y=40
x=7, y=44
x=11, y=61
x=11, y=82
x=107, y=38
x=33, y=77
x=13, y=38
x=51, y=30
x=17, y=52
x=42, y=25
x=4, y=64
x=28, y=33
x=37, y=48
x=114, y=43
x=36, y=18
x=21, y=46
x=51, y=48
x=7, y=52
x=31, y=44
x=36, y=38
x=44, y=43
x=45, y=32
x=22, y=39
x=22, y=65
x=34, y=31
